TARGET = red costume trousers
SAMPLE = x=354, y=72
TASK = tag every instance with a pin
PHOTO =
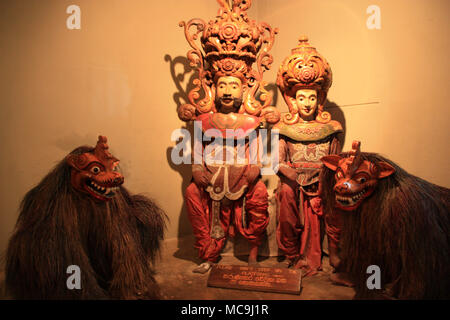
x=303, y=242
x=198, y=203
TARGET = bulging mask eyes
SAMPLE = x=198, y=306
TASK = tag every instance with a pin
x=95, y=170
x=362, y=178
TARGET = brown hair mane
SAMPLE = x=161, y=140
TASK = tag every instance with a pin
x=404, y=228
x=114, y=243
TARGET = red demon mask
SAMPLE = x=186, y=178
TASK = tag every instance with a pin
x=356, y=179
x=94, y=173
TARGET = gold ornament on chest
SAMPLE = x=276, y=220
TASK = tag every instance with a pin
x=310, y=152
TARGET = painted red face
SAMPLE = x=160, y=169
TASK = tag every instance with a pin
x=355, y=179
x=94, y=173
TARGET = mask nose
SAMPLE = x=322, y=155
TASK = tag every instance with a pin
x=118, y=180
x=342, y=187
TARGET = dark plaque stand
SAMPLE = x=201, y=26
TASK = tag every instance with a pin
x=280, y=280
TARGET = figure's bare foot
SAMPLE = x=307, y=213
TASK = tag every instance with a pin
x=287, y=263
x=290, y=262
x=300, y=264
x=253, y=256
x=203, y=268
x=307, y=271
x=341, y=278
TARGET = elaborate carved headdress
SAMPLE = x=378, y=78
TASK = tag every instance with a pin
x=231, y=44
x=305, y=68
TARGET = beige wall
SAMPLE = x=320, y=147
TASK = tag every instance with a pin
x=60, y=88
x=392, y=84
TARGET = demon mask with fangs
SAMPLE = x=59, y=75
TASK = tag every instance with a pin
x=356, y=179
x=94, y=173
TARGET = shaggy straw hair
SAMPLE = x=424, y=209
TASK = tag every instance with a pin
x=114, y=243
x=404, y=228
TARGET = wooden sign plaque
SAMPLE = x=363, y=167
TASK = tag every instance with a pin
x=280, y=280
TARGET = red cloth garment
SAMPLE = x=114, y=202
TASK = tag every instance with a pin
x=300, y=227
x=333, y=225
x=198, y=206
x=311, y=247
x=256, y=208
x=198, y=203
x=289, y=223
x=297, y=241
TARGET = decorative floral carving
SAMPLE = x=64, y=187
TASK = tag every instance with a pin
x=229, y=45
x=306, y=73
x=304, y=68
x=186, y=112
x=229, y=32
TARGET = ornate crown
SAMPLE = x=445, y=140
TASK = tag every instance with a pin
x=305, y=68
x=230, y=45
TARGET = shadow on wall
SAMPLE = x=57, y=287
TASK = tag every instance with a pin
x=185, y=243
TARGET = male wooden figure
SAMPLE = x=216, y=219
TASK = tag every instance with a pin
x=228, y=197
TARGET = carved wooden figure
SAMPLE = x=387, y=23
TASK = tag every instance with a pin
x=227, y=197
x=393, y=220
x=307, y=133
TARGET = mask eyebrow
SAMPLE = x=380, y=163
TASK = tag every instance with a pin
x=225, y=83
x=307, y=95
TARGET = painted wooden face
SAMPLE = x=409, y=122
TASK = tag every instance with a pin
x=229, y=91
x=355, y=179
x=306, y=100
x=95, y=173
